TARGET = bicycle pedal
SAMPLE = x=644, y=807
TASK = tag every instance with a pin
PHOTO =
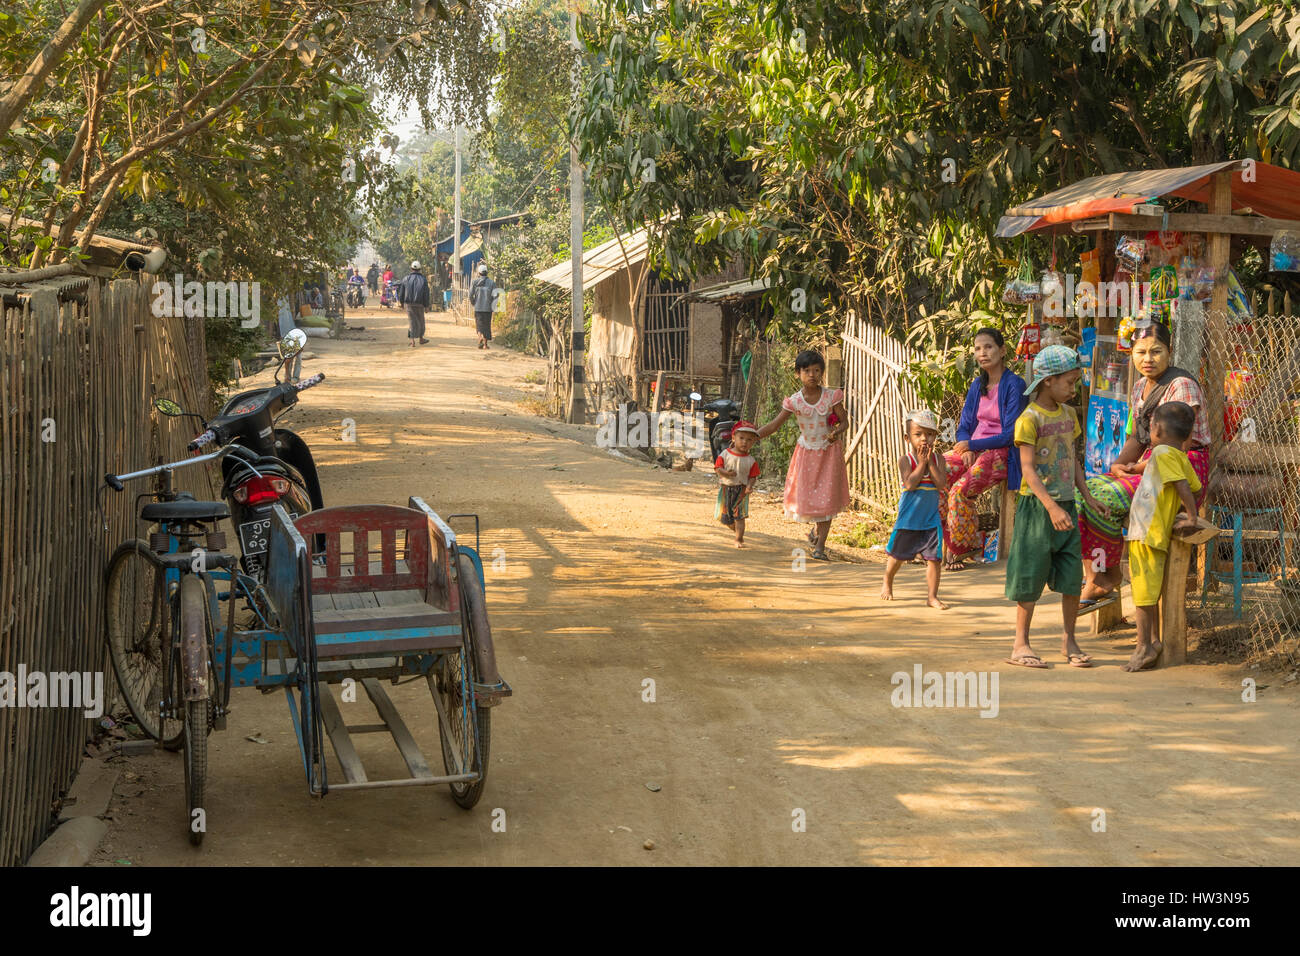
x=219, y=723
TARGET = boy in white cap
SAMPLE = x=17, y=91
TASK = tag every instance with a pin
x=919, y=527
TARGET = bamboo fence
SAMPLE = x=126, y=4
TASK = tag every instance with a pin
x=82, y=362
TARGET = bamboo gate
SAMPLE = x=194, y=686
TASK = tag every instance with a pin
x=82, y=363
x=877, y=397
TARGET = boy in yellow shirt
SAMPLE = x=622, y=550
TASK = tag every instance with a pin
x=1168, y=481
x=1045, y=549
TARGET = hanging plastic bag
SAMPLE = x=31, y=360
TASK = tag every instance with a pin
x=1023, y=288
x=1284, y=252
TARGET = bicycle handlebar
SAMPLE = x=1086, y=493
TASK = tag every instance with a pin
x=116, y=481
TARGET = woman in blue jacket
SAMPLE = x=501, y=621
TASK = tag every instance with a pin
x=982, y=456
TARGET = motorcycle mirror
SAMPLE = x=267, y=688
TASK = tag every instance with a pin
x=696, y=396
x=293, y=343
x=168, y=407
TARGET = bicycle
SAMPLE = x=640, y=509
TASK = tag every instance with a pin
x=168, y=586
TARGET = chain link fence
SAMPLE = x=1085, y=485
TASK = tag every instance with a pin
x=1246, y=604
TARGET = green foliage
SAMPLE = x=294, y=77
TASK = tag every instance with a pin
x=863, y=153
x=235, y=136
x=864, y=534
x=776, y=380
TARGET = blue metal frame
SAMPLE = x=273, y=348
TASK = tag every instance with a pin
x=289, y=633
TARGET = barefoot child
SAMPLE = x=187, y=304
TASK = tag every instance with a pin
x=919, y=528
x=737, y=471
x=1045, y=548
x=1169, y=480
x=816, y=483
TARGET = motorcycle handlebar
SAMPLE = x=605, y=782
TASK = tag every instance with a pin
x=310, y=382
x=206, y=438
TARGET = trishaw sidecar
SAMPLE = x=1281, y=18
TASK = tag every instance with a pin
x=364, y=594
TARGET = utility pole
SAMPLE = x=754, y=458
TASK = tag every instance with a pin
x=578, y=382
x=455, y=228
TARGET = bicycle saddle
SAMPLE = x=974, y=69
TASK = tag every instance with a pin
x=185, y=510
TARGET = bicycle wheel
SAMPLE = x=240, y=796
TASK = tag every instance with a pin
x=195, y=631
x=456, y=675
x=135, y=620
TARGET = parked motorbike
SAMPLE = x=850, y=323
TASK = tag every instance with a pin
x=280, y=467
x=721, y=416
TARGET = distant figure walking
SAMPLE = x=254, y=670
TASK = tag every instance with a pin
x=372, y=278
x=482, y=297
x=413, y=292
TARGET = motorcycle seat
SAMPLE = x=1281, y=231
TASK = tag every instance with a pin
x=185, y=510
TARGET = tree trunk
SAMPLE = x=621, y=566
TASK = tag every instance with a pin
x=18, y=95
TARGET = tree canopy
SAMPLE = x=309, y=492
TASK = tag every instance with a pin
x=859, y=154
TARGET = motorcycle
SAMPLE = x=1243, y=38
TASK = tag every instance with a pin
x=278, y=466
x=388, y=298
x=721, y=416
x=356, y=295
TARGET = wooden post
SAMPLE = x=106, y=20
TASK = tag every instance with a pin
x=656, y=402
x=1173, y=594
x=1111, y=614
x=1007, y=518
x=1218, y=248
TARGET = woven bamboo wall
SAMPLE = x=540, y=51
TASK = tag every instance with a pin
x=81, y=366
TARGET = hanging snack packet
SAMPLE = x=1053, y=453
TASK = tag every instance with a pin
x=1130, y=252
x=1028, y=345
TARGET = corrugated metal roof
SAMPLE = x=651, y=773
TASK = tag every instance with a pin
x=1270, y=191
x=730, y=290
x=97, y=241
x=600, y=262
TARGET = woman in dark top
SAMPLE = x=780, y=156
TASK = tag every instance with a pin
x=981, y=458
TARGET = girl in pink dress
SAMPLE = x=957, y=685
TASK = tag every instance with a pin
x=816, y=483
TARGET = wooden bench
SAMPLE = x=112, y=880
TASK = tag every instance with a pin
x=1173, y=593
x=1109, y=612
x=381, y=583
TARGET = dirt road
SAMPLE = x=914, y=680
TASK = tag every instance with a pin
x=771, y=736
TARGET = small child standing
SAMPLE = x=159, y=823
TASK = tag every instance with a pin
x=1168, y=480
x=737, y=471
x=919, y=527
x=1046, y=549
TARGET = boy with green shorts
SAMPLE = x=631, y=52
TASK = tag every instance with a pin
x=1045, y=546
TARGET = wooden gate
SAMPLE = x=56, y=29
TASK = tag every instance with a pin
x=877, y=397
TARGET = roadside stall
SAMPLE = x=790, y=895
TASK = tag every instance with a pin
x=1170, y=246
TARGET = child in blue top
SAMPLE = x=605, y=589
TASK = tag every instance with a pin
x=918, y=528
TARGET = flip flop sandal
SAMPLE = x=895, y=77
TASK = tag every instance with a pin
x=820, y=555
x=1079, y=660
x=1026, y=660
x=812, y=536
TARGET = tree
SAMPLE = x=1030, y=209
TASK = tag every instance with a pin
x=862, y=153
x=121, y=91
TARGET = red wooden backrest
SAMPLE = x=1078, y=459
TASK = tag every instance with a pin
x=362, y=568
